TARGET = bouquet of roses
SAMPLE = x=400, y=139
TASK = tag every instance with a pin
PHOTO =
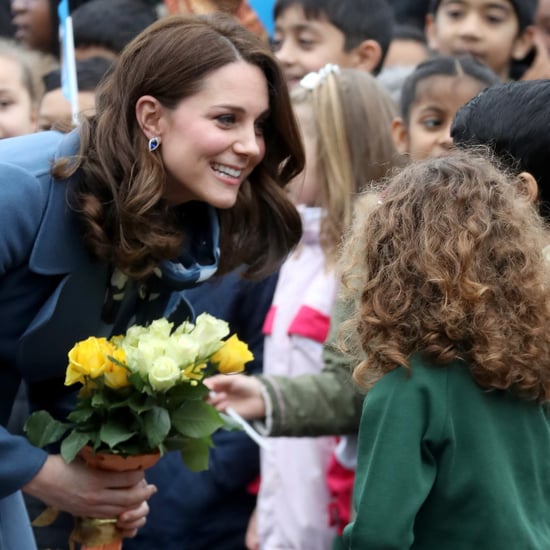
x=143, y=392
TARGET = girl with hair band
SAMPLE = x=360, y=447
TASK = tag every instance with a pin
x=344, y=115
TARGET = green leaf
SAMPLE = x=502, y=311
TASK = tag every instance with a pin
x=112, y=433
x=137, y=381
x=140, y=403
x=80, y=414
x=183, y=392
x=42, y=429
x=196, y=419
x=117, y=362
x=156, y=424
x=99, y=400
x=73, y=443
x=194, y=453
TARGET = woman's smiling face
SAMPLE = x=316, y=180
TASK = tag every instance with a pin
x=212, y=140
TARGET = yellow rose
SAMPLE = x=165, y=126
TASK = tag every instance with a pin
x=88, y=358
x=232, y=356
x=114, y=375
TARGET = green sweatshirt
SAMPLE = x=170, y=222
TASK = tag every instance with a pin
x=445, y=465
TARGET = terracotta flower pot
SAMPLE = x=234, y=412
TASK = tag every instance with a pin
x=102, y=534
x=118, y=463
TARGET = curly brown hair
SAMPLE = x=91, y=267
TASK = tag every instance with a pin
x=125, y=220
x=450, y=264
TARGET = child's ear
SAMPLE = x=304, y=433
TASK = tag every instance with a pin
x=367, y=55
x=528, y=186
x=524, y=43
x=400, y=135
x=149, y=115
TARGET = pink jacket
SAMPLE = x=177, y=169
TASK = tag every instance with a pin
x=293, y=502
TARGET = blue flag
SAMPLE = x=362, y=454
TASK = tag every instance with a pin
x=69, y=84
x=264, y=10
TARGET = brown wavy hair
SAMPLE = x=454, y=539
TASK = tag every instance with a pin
x=450, y=265
x=125, y=220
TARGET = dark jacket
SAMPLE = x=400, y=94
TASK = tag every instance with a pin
x=210, y=510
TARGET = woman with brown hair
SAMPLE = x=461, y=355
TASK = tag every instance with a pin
x=179, y=175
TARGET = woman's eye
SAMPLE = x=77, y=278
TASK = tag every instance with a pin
x=226, y=120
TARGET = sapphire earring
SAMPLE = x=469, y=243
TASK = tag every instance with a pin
x=154, y=144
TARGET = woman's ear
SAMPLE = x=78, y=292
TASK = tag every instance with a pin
x=400, y=135
x=528, y=186
x=149, y=113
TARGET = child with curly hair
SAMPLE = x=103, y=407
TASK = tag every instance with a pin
x=452, y=324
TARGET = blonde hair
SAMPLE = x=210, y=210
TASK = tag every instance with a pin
x=351, y=120
x=450, y=265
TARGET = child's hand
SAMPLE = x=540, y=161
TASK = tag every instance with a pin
x=241, y=392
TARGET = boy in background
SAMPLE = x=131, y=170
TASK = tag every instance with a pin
x=55, y=109
x=350, y=33
x=500, y=33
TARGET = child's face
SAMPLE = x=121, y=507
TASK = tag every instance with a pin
x=487, y=29
x=438, y=98
x=17, y=116
x=33, y=23
x=304, y=45
x=304, y=188
x=56, y=111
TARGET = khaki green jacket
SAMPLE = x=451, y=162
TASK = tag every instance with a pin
x=326, y=403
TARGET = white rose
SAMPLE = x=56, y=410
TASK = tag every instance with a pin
x=183, y=349
x=141, y=357
x=209, y=333
x=160, y=328
x=163, y=374
x=133, y=335
x=185, y=328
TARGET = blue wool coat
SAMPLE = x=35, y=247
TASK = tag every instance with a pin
x=51, y=295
